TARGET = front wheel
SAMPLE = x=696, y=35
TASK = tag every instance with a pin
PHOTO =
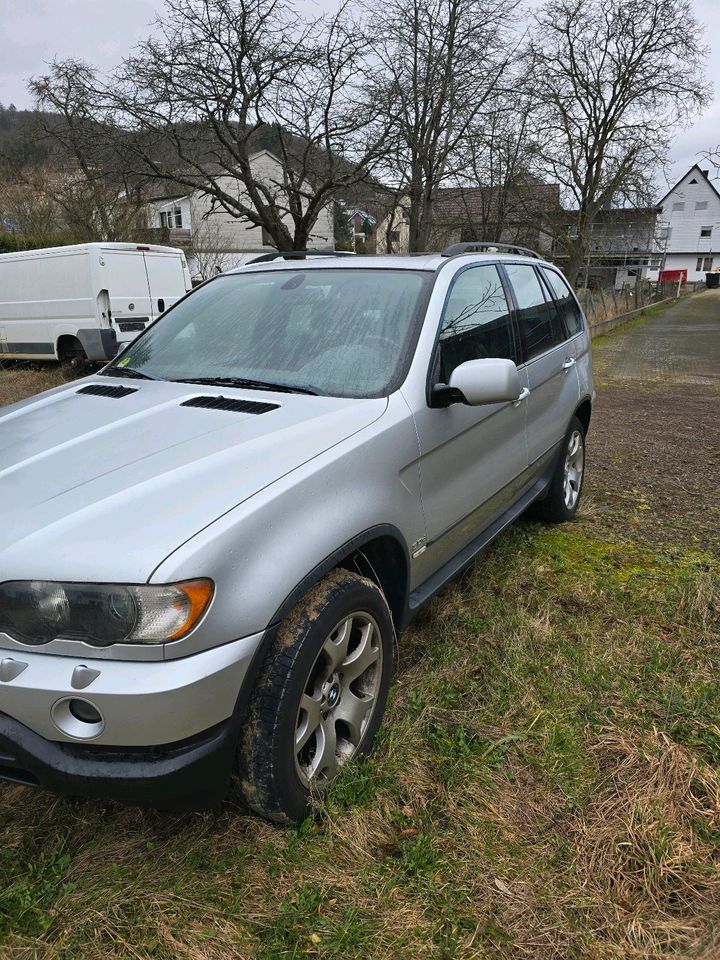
x=563, y=496
x=320, y=696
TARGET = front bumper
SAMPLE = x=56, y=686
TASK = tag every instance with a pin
x=142, y=703
x=191, y=775
x=170, y=727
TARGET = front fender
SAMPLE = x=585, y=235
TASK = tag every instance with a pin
x=268, y=549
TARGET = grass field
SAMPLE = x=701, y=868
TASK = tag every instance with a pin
x=547, y=783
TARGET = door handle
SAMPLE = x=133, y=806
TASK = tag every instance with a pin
x=524, y=394
x=570, y=362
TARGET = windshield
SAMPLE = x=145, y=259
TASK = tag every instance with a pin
x=329, y=331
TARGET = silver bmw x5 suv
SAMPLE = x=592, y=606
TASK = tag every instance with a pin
x=207, y=548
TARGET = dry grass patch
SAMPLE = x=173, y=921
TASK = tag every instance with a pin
x=20, y=380
x=648, y=845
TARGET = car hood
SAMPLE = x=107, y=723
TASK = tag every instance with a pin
x=104, y=488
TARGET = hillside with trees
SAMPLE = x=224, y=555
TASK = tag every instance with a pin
x=373, y=105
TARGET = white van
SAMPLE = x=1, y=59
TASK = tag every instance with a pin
x=84, y=301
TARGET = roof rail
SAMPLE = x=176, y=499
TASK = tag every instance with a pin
x=298, y=255
x=457, y=248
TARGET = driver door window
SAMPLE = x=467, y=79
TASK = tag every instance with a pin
x=476, y=323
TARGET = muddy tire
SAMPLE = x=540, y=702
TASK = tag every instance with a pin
x=73, y=359
x=319, y=698
x=563, y=496
x=73, y=367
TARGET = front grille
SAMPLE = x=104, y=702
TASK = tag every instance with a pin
x=229, y=403
x=100, y=390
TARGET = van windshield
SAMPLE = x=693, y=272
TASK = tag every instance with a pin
x=339, y=332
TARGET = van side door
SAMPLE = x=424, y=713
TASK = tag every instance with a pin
x=473, y=459
x=549, y=363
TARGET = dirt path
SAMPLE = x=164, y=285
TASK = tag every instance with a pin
x=654, y=445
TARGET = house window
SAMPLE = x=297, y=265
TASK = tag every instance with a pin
x=394, y=236
x=704, y=264
x=678, y=207
x=267, y=240
x=701, y=205
x=705, y=233
x=171, y=219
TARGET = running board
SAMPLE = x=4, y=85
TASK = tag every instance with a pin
x=427, y=590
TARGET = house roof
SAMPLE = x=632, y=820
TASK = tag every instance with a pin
x=158, y=192
x=171, y=190
x=351, y=212
x=626, y=214
x=462, y=204
x=702, y=173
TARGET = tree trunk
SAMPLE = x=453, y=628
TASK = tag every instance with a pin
x=576, y=262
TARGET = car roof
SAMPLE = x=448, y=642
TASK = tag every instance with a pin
x=420, y=261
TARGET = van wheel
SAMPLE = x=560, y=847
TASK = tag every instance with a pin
x=563, y=495
x=72, y=357
x=319, y=698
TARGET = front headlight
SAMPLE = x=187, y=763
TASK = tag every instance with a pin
x=37, y=611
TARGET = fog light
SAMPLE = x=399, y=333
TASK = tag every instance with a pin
x=84, y=711
x=77, y=718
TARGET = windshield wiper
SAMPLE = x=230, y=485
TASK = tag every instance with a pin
x=126, y=372
x=248, y=384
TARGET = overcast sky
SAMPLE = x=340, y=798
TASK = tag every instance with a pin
x=33, y=32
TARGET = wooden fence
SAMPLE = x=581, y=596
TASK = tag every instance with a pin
x=600, y=305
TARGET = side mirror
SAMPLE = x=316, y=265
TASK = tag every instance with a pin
x=478, y=382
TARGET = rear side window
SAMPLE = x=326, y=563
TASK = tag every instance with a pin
x=567, y=304
x=476, y=323
x=539, y=320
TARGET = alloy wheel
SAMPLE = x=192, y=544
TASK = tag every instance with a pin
x=573, y=471
x=339, y=699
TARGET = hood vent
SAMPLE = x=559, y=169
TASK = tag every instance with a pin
x=228, y=403
x=100, y=390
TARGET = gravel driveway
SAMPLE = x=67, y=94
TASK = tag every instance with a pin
x=654, y=444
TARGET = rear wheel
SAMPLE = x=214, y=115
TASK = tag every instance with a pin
x=320, y=697
x=563, y=496
x=72, y=357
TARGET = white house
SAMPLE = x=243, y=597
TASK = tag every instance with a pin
x=689, y=226
x=216, y=241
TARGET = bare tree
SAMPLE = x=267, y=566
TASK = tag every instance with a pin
x=26, y=201
x=438, y=65
x=210, y=252
x=713, y=156
x=497, y=195
x=95, y=198
x=220, y=80
x=614, y=78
